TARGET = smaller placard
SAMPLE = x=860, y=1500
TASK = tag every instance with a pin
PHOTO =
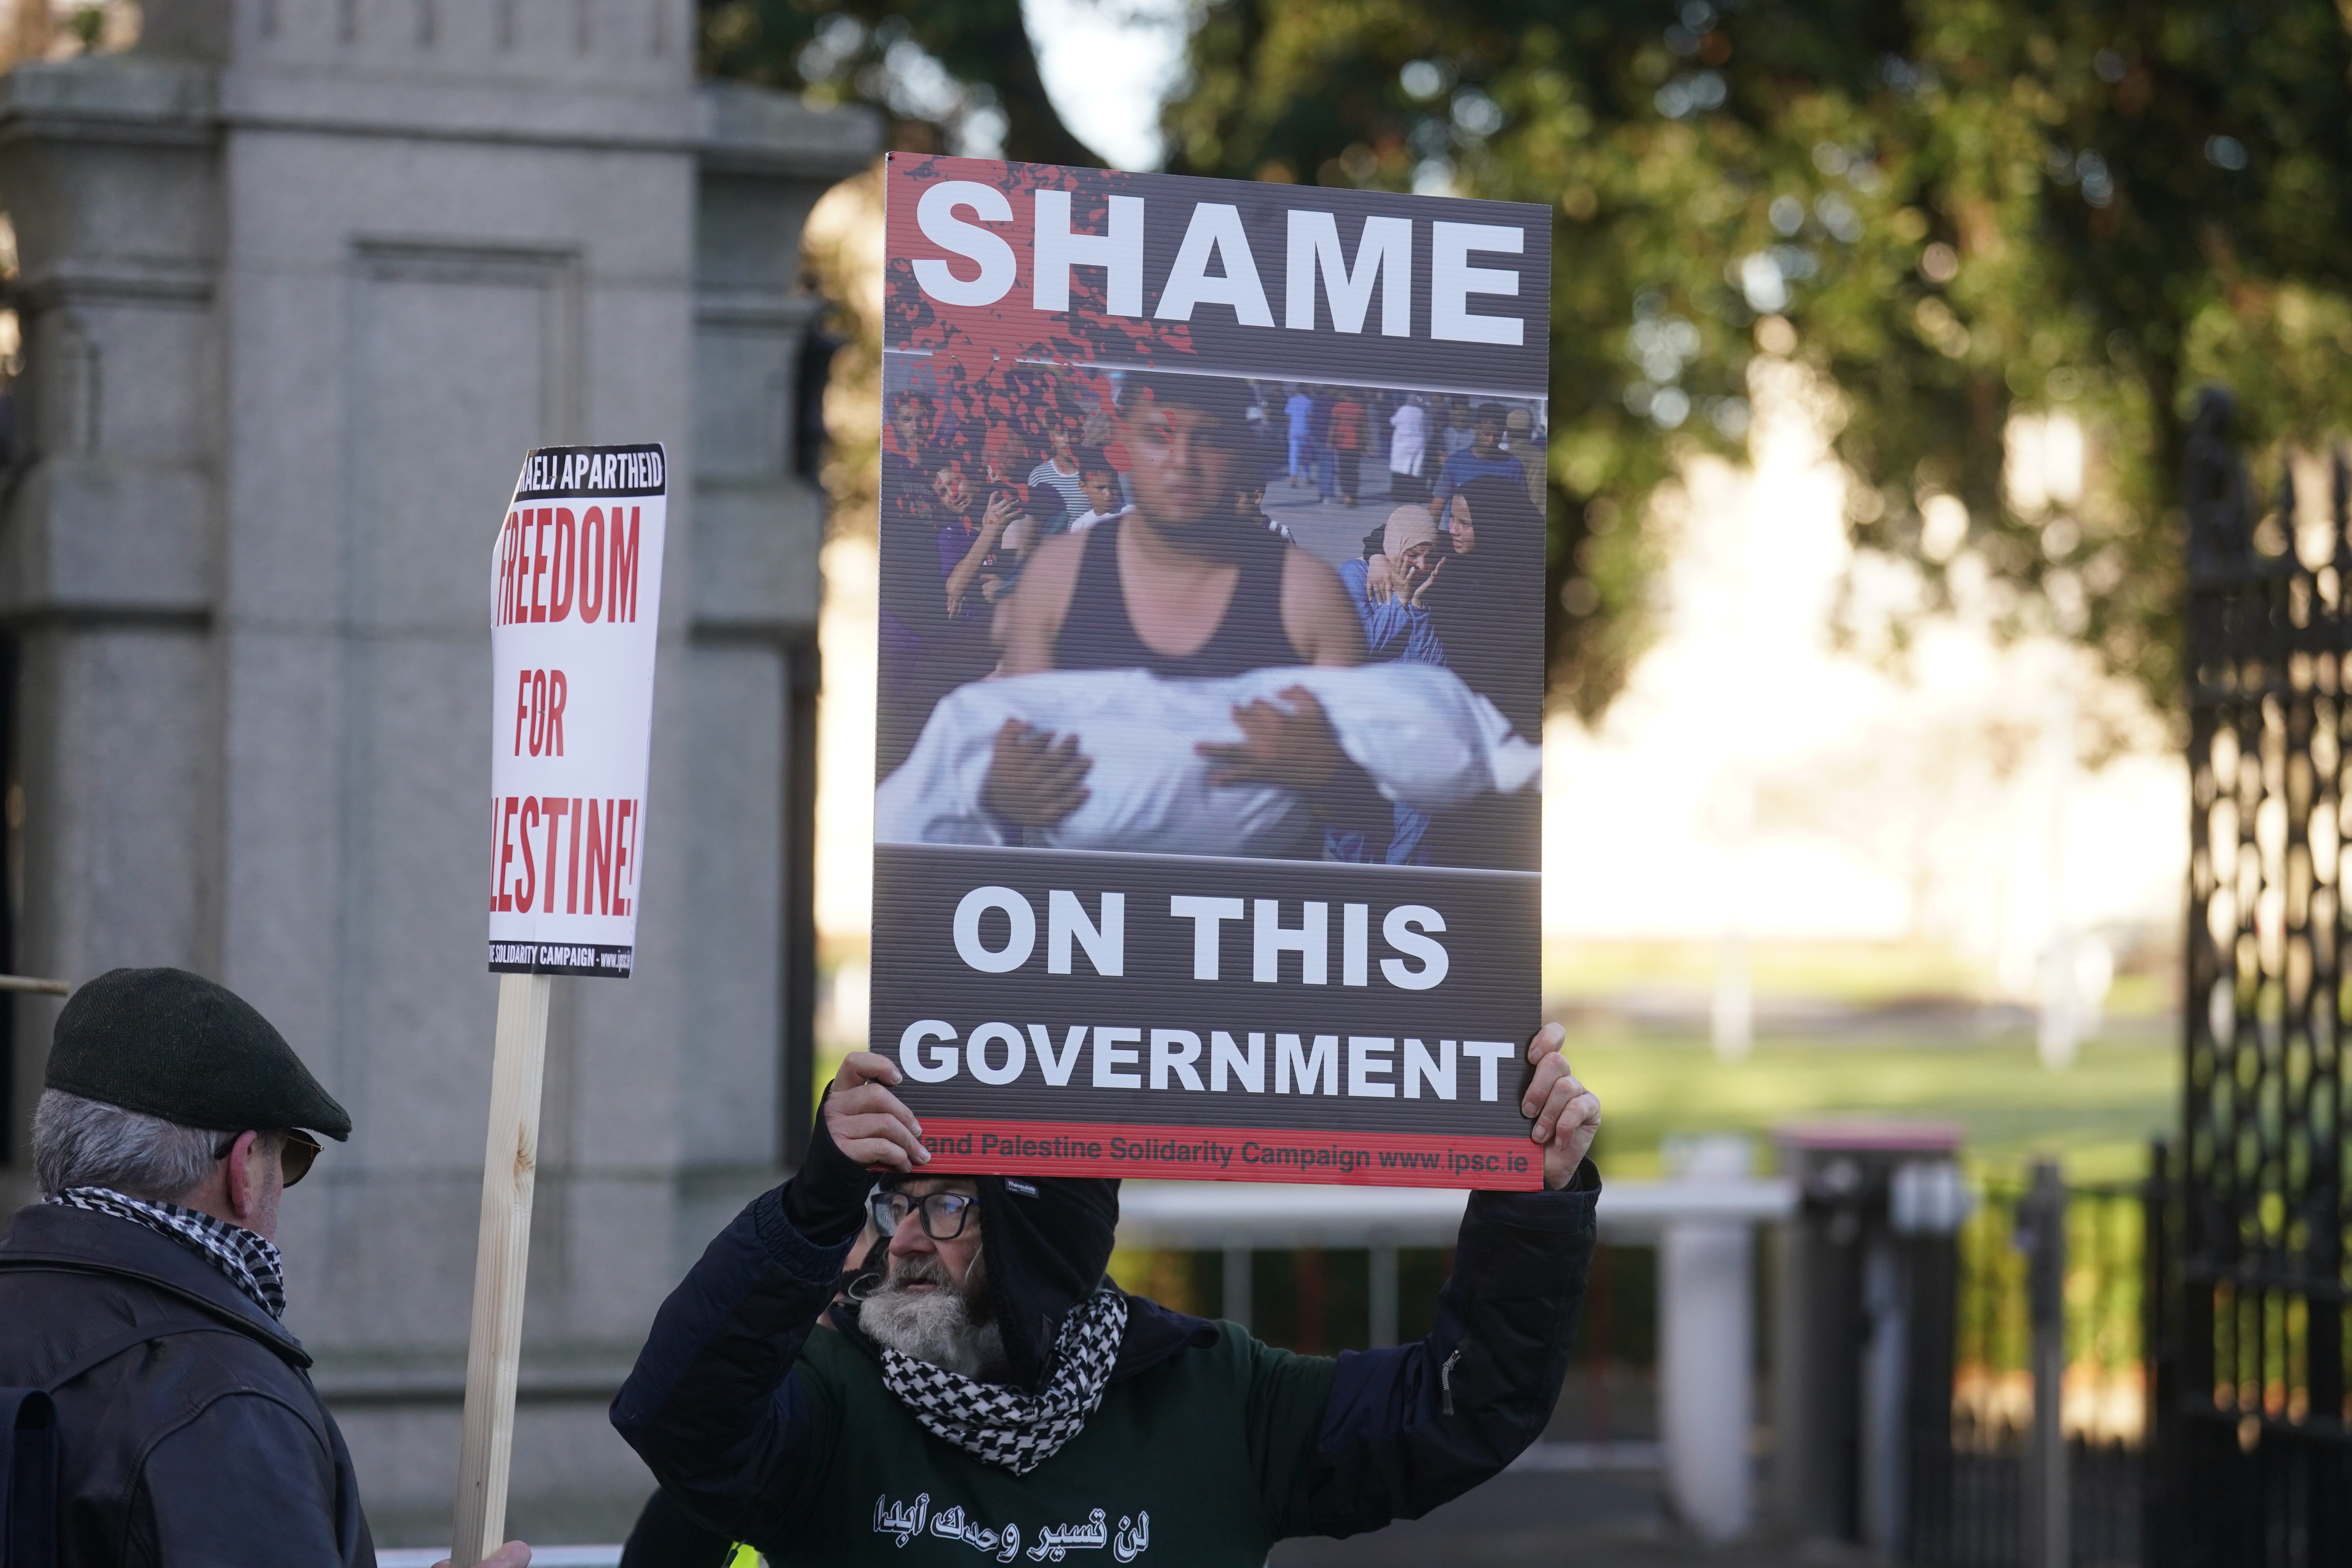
x=576, y=607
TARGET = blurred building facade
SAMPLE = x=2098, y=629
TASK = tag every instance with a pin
x=299, y=281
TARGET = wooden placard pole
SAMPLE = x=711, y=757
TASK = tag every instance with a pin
x=501, y=1258
x=36, y=984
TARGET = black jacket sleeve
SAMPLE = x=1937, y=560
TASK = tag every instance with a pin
x=1409, y=1429
x=246, y=1483
x=712, y=1405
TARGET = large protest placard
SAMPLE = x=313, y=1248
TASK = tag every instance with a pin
x=575, y=584
x=1212, y=561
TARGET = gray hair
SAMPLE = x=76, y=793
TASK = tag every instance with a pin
x=79, y=1142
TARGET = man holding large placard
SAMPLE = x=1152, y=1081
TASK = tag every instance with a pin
x=984, y=1392
x=1180, y=875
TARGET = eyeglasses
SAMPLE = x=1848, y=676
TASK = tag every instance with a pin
x=294, y=1160
x=301, y=1151
x=944, y=1213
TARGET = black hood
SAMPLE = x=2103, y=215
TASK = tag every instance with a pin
x=1045, y=1242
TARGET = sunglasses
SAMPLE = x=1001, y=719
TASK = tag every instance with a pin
x=944, y=1213
x=294, y=1161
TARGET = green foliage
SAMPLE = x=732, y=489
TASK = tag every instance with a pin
x=1950, y=210
x=2123, y=1090
x=943, y=73
x=88, y=25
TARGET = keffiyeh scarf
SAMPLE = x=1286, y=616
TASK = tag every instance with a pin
x=1002, y=1426
x=253, y=1263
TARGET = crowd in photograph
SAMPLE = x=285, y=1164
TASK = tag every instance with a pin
x=1047, y=520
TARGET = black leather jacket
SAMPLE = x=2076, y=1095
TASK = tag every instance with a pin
x=188, y=1430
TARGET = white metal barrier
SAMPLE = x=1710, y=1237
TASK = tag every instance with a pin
x=1703, y=1224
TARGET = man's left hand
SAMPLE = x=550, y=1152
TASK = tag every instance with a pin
x=1566, y=1114
x=1293, y=747
x=1032, y=779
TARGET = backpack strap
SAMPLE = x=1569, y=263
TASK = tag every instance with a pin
x=28, y=1478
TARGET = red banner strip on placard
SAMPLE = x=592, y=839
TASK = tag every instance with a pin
x=1231, y=1154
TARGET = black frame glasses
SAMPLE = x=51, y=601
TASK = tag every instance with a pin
x=945, y=1214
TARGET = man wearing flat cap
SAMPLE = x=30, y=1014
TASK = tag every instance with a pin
x=144, y=1292
x=981, y=1393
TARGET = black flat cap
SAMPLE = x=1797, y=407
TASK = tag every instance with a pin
x=176, y=1046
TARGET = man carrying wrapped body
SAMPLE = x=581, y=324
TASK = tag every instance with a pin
x=1181, y=679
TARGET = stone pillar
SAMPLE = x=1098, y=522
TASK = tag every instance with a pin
x=301, y=280
x=108, y=551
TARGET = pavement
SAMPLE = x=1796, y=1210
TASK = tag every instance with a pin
x=1326, y=529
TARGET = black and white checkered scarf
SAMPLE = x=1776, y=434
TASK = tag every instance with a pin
x=1002, y=1426
x=252, y=1263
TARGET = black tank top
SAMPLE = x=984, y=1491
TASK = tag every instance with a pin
x=1098, y=634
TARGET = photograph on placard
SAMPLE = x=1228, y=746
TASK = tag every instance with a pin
x=1145, y=547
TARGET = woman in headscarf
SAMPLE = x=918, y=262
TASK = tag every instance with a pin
x=1399, y=625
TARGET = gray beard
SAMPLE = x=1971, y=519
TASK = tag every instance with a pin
x=934, y=1326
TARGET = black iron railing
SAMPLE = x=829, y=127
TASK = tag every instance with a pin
x=2250, y=1332
x=1972, y=1499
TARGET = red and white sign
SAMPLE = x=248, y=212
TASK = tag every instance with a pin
x=575, y=598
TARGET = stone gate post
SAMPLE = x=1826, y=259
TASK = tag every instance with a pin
x=299, y=281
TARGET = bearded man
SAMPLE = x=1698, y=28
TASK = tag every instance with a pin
x=988, y=1391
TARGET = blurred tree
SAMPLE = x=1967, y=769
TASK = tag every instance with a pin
x=957, y=77
x=1952, y=211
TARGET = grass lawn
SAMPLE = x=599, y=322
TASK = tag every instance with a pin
x=2097, y=1115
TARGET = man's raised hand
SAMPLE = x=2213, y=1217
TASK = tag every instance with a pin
x=867, y=1122
x=1566, y=1114
x=1002, y=513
